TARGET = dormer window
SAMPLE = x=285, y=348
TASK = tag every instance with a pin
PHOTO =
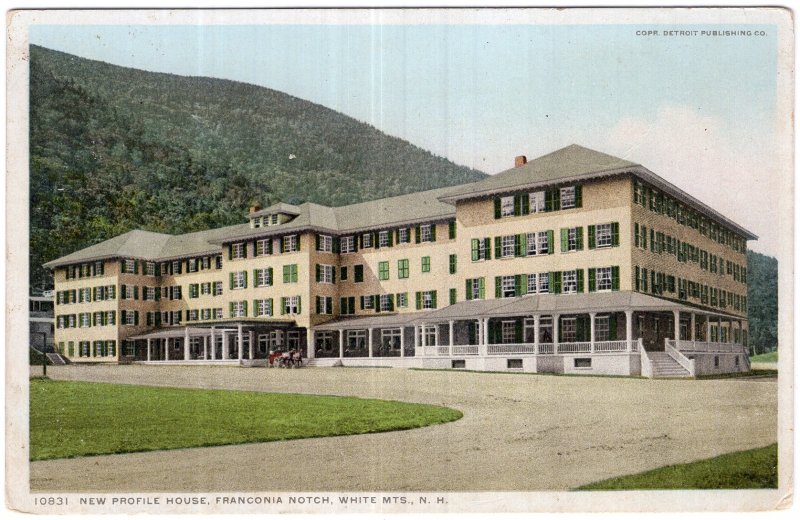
x=273, y=220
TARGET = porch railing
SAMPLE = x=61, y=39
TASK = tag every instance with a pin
x=677, y=355
x=512, y=348
x=499, y=349
x=706, y=346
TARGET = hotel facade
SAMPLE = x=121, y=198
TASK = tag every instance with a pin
x=575, y=262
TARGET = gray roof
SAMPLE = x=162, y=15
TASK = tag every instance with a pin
x=366, y=322
x=280, y=207
x=570, y=163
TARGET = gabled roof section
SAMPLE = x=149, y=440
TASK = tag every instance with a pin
x=422, y=206
x=567, y=164
x=280, y=207
x=133, y=244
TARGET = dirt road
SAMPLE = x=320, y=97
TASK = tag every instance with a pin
x=519, y=432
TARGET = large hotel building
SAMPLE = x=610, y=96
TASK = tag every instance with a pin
x=575, y=262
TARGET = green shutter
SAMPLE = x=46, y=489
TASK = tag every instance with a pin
x=468, y=292
x=497, y=212
x=451, y=230
x=498, y=247
x=417, y=234
x=579, y=238
x=564, y=240
x=520, y=285
x=526, y=203
x=390, y=238
x=591, y=237
x=557, y=282
x=578, y=196
x=453, y=296
x=475, y=248
x=245, y=279
x=419, y=300
x=269, y=271
x=517, y=205
x=433, y=299
x=318, y=305
x=433, y=232
x=579, y=278
x=481, y=288
x=453, y=264
x=615, y=278
x=231, y=280
x=487, y=246
x=523, y=244
x=517, y=245
x=615, y=234
x=319, y=276
x=592, y=279
x=550, y=240
x=498, y=286
x=122, y=292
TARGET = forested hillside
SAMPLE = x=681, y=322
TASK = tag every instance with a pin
x=113, y=148
x=762, y=301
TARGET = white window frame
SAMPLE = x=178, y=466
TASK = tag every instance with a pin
x=150, y=268
x=572, y=239
x=218, y=313
x=326, y=273
x=326, y=243
x=427, y=300
x=431, y=334
x=533, y=283
x=290, y=304
x=130, y=318
x=263, y=278
x=149, y=293
x=238, y=309
x=402, y=300
x=569, y=330
x=603, y=279
x=85, y=320
x=194, y=314
x=326, y=305
x=216, y=289
x=567, y=197
x=508, y=243
x=482, y=249
x=205, y=314
x=508, y=331
x=602, y=235
x=238, y=250
x=544, y=283
x=205, y=288
x=391, y=338
x=383, y=239
x=347, y=245
x=536, y=202
x=357, y=338
x=369, y=302
x=128, y=295
x=532, y=244
x=507, y=206
x=385, y=303
x=238, y=280
x=290, y=243
x=509, y=286
x=569, y=282
x=366, y=240
x=402, y=236
x=264, y=307
x=543, y=243
x=192, y=265
x=602, y=328
x=273, y=219
x=425, y=233
x=130, y=266
x=262, y=246
x=475, y=288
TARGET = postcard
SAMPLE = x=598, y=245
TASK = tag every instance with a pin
x=399, y=260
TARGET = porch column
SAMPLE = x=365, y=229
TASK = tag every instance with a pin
x=166, y=349
x=693, y=325
x=213, y=343
x=556, y=319
x=250, y=341
x=719, y=329
x=708, y=328
x=341, y=343
x=309, y=343
x=592, y=315
x=536, y=333
x=402, y=342
x=224, y=344
x=205, y=347
x=186, y=354
x=450, y=336
x=422, y=339
x=741, y=332
x=148, y=349
x=629, y=329
x=677, y=317
x=240, y=340
x=369, y=341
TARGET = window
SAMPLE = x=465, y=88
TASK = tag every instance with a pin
x=217, y=288
x=403, y=236
x=453, y=296
x=128, y=266
x=358, y=273
x=324, y=305
x=582, y=363
x=383, y=270
x=290, y=273
x=149, y=268
x=325, y=244
x=325, y=273
x=239, y=279
x=191, y=265
x=205, y=314
x=366, y=240
x=347, y=305
x=453, y=264
x=568, y=197
x=425, y=233
x=128, y=318
x=290, y=244
x=402, y=268
x=238, y=251
x=238, y=309
x=263, y=277
x=509, y=331
x=509, y=286
x=458, y=363
x=386, y=303
x=544, y=283
x=264, y=247
x=507, y=206
x=218, y=313
x=428, y=300
x=194, y=290
x=431, y=334
x=533, y=283
x=347, y=244
x=603, y=235
x=602, y=328
x=536, y=202
x=383, y=239
x=193, y=315
x=273, y=219
x=126, y=292
x=218, y=261
x=402, y=300
x=569, y=330
x=390, y=339
x=85, y=318
x=604, y=279
x=368, y=302
x=572, y=239
x=508, y=243
x=426, y=264
x=569, y=282
x=480, y=249
x=476, y=289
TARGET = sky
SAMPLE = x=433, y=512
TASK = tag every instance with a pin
x=699, y=111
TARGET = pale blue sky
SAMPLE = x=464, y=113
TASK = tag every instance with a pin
x=480, y=95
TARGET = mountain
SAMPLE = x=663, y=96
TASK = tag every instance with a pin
x=114, y=148
x=762, y=302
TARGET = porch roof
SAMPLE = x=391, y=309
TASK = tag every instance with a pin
x=172, y=332
x=205, y=328
x=365, y=322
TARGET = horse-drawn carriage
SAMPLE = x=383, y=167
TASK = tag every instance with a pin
x=285, y=359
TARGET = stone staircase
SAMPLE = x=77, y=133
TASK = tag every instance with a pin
x=665, y=366
x=56, y=358
x=321, y=362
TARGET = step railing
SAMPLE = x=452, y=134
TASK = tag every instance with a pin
x=685, y=362
x=647, y=365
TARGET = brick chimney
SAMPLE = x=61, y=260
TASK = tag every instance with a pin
x=520, y=160
x=254, y=208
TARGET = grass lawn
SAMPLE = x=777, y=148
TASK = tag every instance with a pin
x=769, y=357
x=73, y=419
x=752, y=469
x=756, y=372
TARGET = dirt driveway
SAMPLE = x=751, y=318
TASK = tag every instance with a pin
x=519, y=432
